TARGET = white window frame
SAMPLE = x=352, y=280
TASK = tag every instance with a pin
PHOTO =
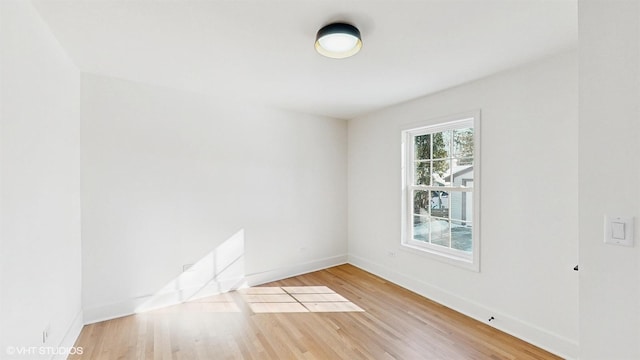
x=440, y=253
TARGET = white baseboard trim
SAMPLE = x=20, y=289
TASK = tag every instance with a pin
x=149, y=302
x=290, y=271
x=537, y=336
x=70, y=337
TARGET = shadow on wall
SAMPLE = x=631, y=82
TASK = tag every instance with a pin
x=219, y=271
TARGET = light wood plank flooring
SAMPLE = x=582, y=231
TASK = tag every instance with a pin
x=286, y=319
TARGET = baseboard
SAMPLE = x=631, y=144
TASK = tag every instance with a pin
x=150, y=302
x=290, y=271
x=70, y=337
x=537, y=336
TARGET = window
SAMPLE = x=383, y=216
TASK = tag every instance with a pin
x=440, y=186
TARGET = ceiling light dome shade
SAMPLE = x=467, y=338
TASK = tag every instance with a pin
x=338, y=40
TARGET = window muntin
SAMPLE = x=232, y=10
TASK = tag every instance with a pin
x=440, y=214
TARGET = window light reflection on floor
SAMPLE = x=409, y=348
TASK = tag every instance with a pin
x=221, y=303
x=296, y=299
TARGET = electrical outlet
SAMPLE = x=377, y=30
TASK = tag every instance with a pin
x=391, y=253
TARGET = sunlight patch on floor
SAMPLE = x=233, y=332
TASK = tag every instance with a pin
x=296, y=299
x=221, y=303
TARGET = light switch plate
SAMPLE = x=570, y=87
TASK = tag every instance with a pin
x=618, y=230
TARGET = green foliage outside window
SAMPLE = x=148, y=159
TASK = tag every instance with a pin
x=432, y=156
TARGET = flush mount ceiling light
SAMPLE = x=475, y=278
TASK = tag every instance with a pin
x=338, y=40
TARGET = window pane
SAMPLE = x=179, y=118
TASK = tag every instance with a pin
x=421, y=202
x=439, y=204
x=442, y=145
x=462, y=172
x=461, y=235
x=463, y=142
x=461, y=205
x=423, y=173
x=440, y=172
x=439, y=232
x=422, y=148
x=421, y=228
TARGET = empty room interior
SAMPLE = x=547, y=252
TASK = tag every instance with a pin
x=320, y=179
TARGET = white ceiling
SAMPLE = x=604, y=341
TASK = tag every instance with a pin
x=262, y=51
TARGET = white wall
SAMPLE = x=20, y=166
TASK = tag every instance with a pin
x=169, y=177
x=40, y=190
x=609, y=177
x=528, y=202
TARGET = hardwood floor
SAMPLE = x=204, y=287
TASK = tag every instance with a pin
x=286, y=320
